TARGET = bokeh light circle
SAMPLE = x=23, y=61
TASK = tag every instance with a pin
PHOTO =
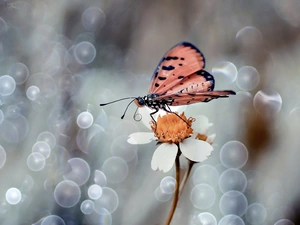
x=80, y=172
x=32, y=93
x=203, y=196
x=284, y=222
x=84, y=52
x=36, y=161
x=3, y=26
x=121, y=148
x=231, y=220
x=2, y=156
x=206, y=174
x=167, y=185
x=7, y=85
x=108, y=200
x=267, y=102
x=42, y=147
x=162, y=196
x=94, y=191
x=53, y=220
x=15, y=127
x=249, y=37
x=294, y=116
x=47, y=137
x=244, y=100
x=67, y=193
x=13, y=111
x=256, y=214
x=87, y=206
x=225, y=72
x=100, y=178
x=27, y=184
x=207, y=218
x=234, y=154
x=46, y=84
x=19, y=72
x=233, y=202
x=93, y=18
x=85, y=120
x=247, y=78
x=13, y=196
x=88, y=139
x=232, y=179
x=100, y=217
x=1, y=116
x=115, y=169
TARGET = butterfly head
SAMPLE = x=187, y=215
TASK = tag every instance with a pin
x=140, y=101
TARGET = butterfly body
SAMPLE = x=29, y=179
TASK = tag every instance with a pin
x=180, y=79
x=152, y=102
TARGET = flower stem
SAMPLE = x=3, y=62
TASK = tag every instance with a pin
x=176, y=193
x=186, y=176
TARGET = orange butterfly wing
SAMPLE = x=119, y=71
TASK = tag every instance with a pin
x=190, y=98
x=179, y=62
x=201, y=81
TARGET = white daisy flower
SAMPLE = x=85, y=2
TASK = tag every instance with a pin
x=188, y=135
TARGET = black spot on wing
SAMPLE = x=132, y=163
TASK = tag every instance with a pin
x=180, y=77
x=182, y=58
x=156, y=85
x=171, y=58
x=162, y=78
x=168, y=68
x=180, y=64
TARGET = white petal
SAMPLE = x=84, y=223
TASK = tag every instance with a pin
x=140, y=138
x=164, y=157
x=195, y=150
x=201, y=124
x=178, y=109
x=210, y=139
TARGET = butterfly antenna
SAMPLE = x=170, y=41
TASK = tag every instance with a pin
x=122, y=117
x=121, y=99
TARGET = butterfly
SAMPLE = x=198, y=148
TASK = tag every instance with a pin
x=179, y=79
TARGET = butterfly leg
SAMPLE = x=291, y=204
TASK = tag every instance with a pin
x=151, y=114
x=168, y=109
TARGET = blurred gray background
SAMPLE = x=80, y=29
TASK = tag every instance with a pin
x=66, y=57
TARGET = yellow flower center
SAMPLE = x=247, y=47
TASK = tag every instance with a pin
x=172, y=128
